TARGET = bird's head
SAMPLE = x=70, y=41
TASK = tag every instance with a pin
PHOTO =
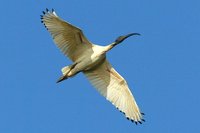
x=122, y=38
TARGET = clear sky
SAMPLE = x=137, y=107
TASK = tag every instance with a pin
x=162, y=67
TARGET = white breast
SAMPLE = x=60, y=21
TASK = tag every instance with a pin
x=91, y=58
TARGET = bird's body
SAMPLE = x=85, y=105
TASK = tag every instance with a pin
x=91, y=60
x=96, y=54
x=83, y=63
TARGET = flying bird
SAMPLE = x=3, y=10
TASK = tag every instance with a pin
x=90, y=59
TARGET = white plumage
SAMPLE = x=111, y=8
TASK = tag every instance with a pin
x=91, y=60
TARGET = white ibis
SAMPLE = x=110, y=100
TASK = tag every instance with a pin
x=91, y=60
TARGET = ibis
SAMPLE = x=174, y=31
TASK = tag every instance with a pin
x=90, y=59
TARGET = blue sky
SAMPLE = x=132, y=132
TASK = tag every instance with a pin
x=162, y=67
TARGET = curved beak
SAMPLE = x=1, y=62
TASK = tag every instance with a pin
x=122, y=38
x=131, y=34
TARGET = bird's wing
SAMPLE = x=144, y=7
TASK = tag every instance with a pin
x=113, y=86
x=68, y=38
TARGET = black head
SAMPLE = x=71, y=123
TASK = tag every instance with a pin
x=122, y=38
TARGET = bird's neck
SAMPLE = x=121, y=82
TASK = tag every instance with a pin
x=110, y=46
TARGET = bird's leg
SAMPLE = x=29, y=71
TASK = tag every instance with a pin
x=65, y=74
x=61, y=79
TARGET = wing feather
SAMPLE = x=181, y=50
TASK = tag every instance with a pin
x=68, y=38
x=113, y=86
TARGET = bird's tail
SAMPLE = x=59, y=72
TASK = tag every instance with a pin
x=65, y=70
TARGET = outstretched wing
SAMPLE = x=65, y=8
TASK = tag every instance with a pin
x=68, y=38
x=113, y=86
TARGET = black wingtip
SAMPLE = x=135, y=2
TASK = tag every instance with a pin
x=120, y=111
x=47, y=11
x=143, y=113
x=136, y=122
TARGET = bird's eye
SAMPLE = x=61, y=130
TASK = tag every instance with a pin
x=119, y=39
